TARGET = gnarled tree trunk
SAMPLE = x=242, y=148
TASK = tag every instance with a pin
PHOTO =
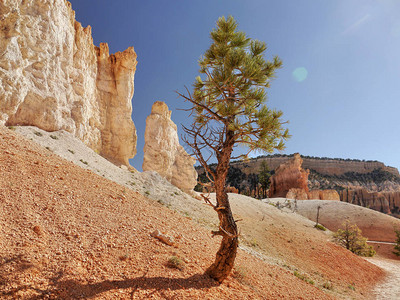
x=226, y=254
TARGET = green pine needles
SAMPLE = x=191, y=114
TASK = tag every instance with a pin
x=231, y=91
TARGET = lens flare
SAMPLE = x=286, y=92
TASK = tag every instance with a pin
x=300, y=74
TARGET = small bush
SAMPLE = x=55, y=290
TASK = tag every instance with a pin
x=83, y=161
x=320, y=227
x=147, y=193
x=71, y=151
x=54, y=137
x=351, y=287
x=350, y=238
x=303, y=277
x=176, y=263
x=38, y=133
x=11, y=127
x=328, y=285
x=253, y=243
x=239, y=272
x=397, y=247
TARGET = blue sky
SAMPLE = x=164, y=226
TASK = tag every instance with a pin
x=339, y=87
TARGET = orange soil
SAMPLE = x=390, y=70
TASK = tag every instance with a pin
x=68, y=233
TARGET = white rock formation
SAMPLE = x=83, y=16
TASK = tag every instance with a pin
x=53, y=77
x=162, y=151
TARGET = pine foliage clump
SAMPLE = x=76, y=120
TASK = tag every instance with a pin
x=350, y=238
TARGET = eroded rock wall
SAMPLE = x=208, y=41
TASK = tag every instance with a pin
x=323, y=195
x=162, y=151
x=386, y=202
x=53, y=77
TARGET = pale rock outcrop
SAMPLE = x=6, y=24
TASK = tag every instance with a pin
x=287, y=176
x=53, y=77
x=297, y=194
x=323, y=195
x=162, y=151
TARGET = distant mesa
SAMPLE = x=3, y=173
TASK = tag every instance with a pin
x=162, y=151
x=53, y=77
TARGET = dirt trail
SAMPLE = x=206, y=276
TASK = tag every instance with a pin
x=389, y=288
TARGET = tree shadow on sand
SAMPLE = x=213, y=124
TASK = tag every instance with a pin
x=77, y=290
x=73, y=289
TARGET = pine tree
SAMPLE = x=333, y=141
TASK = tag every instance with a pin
x=263, y=177
x=228, y=109
x=350, y=237
x=397, y=246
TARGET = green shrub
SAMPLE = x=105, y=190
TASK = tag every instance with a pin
x=54, y=137
x=350, y=238
x=38, y=133
x=397, y=247
x=176, y=263
x=328, y=285
x=351, y=287
x=239, y=272
x=303, y=277
x=320, y=227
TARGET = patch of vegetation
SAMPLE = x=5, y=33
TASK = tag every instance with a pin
x=71, y=151
x=328, y=285
x=54, y=137
x=350, y=238
x=48, y=148
x=351, y=287
x=176, y=263
x=303, y=277
x=147, y=193
x=84, y=162
x=38, y=133
x=240, y=273
x=253, y=243
x=320, y=227
x=397, y=246
x=11, y=127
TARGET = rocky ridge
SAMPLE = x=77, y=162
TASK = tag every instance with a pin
x=53, y=77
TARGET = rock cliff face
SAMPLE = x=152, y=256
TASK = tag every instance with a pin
x=323, y=195
x=287, y=176
x=162, y=151
x=386, y=202
x=53, y=77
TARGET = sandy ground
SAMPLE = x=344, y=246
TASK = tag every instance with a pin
x=66, y=231
x=390, y=288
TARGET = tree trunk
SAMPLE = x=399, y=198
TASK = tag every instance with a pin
x=226, y=254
